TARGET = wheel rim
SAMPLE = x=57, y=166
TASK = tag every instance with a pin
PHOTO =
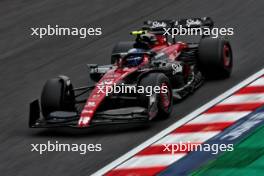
x=227, y=56
x=165, y=97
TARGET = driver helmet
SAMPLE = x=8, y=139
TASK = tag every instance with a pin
x=135, y=57
x=149, y=38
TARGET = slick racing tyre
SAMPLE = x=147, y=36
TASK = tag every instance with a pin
x=215, y=58
x=121, y=47
x=57, y=95
x=160, y=102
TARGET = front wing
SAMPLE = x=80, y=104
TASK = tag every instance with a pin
x=70, y=119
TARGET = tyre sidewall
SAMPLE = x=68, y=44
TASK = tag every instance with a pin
x=56, y=96
x=211, y=58
x=156, y=79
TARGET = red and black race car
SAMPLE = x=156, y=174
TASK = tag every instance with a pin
x=147, y=74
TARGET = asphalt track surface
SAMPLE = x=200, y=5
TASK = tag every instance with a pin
x=26, y=62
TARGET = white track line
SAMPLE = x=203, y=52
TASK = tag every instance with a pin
x=259, y=82
x=187, y=137
x=244, y=98
x=151, y=161
x=219, y=117
x=177, y=124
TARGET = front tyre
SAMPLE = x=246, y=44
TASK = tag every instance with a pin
x=57, y=95
x=159, y=103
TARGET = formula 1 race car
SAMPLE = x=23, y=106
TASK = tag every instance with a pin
x=143, y=80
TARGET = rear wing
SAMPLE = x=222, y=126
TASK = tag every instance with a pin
x=157, y=26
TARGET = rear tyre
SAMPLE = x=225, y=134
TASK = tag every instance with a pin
x=163, y=99
x=121, y=47
x=57, y=95
x=215, y=58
